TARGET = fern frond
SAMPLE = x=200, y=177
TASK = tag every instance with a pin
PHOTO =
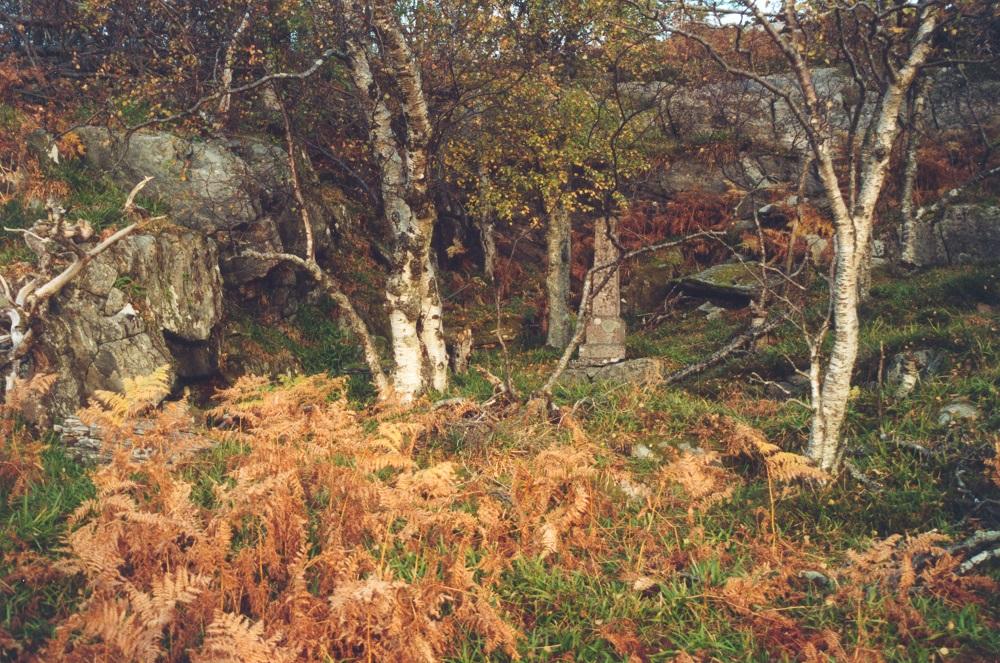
x=138, y=394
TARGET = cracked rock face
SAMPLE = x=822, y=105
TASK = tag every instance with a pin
x=236, y=192
x=207, y=185
x=115, y=321
x=157, y=297
x=964, y=233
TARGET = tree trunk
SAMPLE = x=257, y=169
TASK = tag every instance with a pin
x=831, y=391
x=414, y=303
x=864, y=276
x=830, y=395
x=487, y=240
x=907, y=207
x=557, y=278
x=485, y=227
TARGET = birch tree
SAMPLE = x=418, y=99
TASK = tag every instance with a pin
x=903, y=43
x=399, y=136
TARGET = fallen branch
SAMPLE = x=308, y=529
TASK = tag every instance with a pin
x=977, y=559
x=861, y=477
x=757, y=329
x=330, y=285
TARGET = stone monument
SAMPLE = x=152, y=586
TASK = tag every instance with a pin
x=602, y=355
x=604, y=337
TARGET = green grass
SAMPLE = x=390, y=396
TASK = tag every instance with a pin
x=319, y=345
x=94, y=197
x=35, y=522
x=562, y=610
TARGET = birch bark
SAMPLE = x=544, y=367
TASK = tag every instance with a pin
x=415, y=309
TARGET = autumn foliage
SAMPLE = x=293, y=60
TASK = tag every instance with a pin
x=332, y=533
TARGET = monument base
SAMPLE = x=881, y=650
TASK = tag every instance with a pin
x=605, y=341
x=641, y=371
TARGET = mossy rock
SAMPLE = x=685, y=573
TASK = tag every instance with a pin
x=731, y=280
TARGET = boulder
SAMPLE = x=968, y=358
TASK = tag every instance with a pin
x=958, y=412
x=236, y=192
x=206, y=185
x=177, y=273
x=114, y=322
x=909, y=367
x=961, y=234
x=731, y=280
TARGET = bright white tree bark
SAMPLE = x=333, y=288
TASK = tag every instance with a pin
x=832, y=387
x=907, y=203
x=415, y=310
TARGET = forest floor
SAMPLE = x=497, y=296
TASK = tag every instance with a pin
x=628, y=524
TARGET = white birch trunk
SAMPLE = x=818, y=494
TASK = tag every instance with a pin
x=415, y=310
x=853, y=236
x=227, y=69
x=432, y=329
x=831, y=394
x=907, y=207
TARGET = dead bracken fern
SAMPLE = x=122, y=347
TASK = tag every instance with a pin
x=702, y=478
x=898, y=567
x=325, y=533
x=290, y=562
x=740, y=439
x=20, y=455
x=139, y=394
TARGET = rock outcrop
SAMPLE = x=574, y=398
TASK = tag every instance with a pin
x=961, y=234
x=732, y=280
x=114, y=322
x=235, y=192
x=157, y=297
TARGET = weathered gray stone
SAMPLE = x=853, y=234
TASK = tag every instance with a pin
x=961, y=234
x=711, y=311
x=958, y=412
x=207, y=187
x=236, y=192
x=731, y=280
x=641, y=371
x=89, y=350
x=907, y=368
x=604, y=341
x=111, y=323
x=177, y=272
x=816, y=246
x=642, y=452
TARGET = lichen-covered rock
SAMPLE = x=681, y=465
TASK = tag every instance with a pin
x=207, y=186
x=641, y=371
x=962, y=234
x=909, y=367
x=91, y=346
x=177, y=273
x=114, y=322
x=236, y=192
x=731, y=280
x=958, y=412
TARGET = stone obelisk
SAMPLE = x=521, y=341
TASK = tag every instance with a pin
x=604, y=339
